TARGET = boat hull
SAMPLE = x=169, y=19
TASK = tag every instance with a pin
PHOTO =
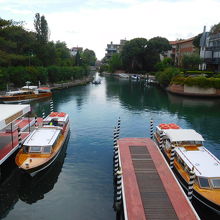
x=196, y=195
x=24, y=98
x=33, y=171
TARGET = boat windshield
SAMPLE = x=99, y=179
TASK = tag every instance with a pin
x=35, y=149
x=203, y=182
x=216, y=183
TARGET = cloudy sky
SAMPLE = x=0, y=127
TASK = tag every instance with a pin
x=95, y=23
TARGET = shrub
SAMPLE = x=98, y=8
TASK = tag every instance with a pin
x=165, y=77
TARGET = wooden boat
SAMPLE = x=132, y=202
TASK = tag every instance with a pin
x=190, y=154
x=26, y=94
x=44, y=144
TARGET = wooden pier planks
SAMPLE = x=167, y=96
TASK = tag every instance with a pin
x=149, y=187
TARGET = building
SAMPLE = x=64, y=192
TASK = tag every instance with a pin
x=181, y=48
x=114, y=48
x=210, y=51
x=74, y=50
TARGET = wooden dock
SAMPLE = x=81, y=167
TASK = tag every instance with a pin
x=149, y=188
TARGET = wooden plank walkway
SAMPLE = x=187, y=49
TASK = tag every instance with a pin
x=150, y=190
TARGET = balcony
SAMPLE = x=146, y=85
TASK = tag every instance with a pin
x=212, y=61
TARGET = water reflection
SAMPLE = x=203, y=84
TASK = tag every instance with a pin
x=19, y=185
x=34, y=188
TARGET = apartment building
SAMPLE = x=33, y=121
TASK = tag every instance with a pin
x=210, y=51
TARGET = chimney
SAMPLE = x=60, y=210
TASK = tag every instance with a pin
x=204, y=29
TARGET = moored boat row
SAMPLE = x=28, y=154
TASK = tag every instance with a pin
x=186, y=154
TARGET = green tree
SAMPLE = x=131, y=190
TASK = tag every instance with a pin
x=215, y=29
x=115, y=63
x=133, y=54
x=191, y=62
x=63, y=57
x=196, y=41
x=41, y=28
x=159, y=44
x=88, y=57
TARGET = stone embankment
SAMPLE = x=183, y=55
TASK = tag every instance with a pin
x=77, y=82
x=193, y=91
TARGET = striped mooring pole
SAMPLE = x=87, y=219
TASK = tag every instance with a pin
x=51, y=105
x=115, y=151
x=190, y=184
x=118, y=197
x=172, y=155
x=43, y=115
x=151, y=128
x=19, y=138
x=118, y=127
x=35, y=121
x=161, y=140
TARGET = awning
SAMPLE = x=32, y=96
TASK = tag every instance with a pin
x=183, y=135
x=9, y=113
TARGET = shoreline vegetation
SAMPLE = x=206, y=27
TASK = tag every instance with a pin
x=30, y=56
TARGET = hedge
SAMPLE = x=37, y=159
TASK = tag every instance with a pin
x=199, y=81
x=19, y=75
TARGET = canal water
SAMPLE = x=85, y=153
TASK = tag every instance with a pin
x=80, y=184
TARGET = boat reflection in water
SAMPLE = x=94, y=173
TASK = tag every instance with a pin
x=33, y=189
x=9, y=192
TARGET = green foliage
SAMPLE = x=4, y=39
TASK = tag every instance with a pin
x=41, y=28
x=19, y=75
x=88, y=57
x=196, y=41
x=115, y=63
x=215, y=29
x=57, y=74
x=191, y=61
x=141, y=55
x=133, y=54
x=167, y=62
x=159, y=44
x=103, y=68
x=199, y=81
x=164, y=77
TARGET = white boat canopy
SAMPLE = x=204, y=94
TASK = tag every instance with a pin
x=204, y=162
x=42, y=137
x=183, y=135
x=10, y=113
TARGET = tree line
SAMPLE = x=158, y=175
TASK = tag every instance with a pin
x=21, y=49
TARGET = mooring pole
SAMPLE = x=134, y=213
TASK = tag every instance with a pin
x=19, y=138
x=190, y=184
x=161, y=140
x=172, y=155
x=151, y=128
x=51, y=105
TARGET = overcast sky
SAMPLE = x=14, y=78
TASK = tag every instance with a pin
x=95, y=23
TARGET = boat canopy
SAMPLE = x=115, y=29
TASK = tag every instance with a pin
x=176, y=135
x=204, y=162
x=10, y=113
x=29, y=87
x=42, y=137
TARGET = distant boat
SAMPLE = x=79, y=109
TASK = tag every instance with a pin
x=97, y=80
x=135, y=77
x=123, y=75
x=26, y=94
x=44, y=144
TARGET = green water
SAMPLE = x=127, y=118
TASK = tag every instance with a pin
x=79, y=185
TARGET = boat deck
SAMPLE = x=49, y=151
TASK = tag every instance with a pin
x=150, y=190
x=7, y=146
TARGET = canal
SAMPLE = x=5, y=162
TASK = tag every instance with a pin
x=79, y=185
